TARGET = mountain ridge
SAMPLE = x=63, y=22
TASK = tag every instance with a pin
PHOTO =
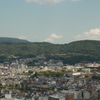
x=12, y=40
x=84, y=50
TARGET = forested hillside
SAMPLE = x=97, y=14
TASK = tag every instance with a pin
x=12, y=40
x=87, y=50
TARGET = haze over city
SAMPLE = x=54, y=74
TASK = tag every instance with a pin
x=55, y=21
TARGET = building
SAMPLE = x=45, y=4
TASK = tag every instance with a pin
x=86, y=95
x=70, y=96
x=57, y=97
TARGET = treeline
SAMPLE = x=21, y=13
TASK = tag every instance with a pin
x=49, y=74
x=95, y=77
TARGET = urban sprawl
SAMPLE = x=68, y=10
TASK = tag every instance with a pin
x=49, y=80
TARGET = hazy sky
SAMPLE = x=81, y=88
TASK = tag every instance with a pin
x=56, y=21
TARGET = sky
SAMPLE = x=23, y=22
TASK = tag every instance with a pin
x=55, y=21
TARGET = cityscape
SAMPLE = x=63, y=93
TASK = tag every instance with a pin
x=49, y=80
x=49, y=50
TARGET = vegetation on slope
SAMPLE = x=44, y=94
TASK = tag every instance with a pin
x=87, y=50
x=12, y=40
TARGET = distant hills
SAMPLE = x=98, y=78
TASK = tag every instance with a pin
x=77, y=51
x=12, y=40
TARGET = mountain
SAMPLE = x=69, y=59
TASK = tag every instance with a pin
x=77, y=51
x=12, y=40
x=84, y=46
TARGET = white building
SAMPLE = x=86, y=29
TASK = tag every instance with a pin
x=57, y=97
x=43, y=98
x=86, y=95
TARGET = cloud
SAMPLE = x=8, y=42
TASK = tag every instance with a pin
x=22, y=37
x=76, y=0
x=48, y=40
x=45, y=1
x=49, y=1
x=55, y=36
x=93, y=34
x=52, y=37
